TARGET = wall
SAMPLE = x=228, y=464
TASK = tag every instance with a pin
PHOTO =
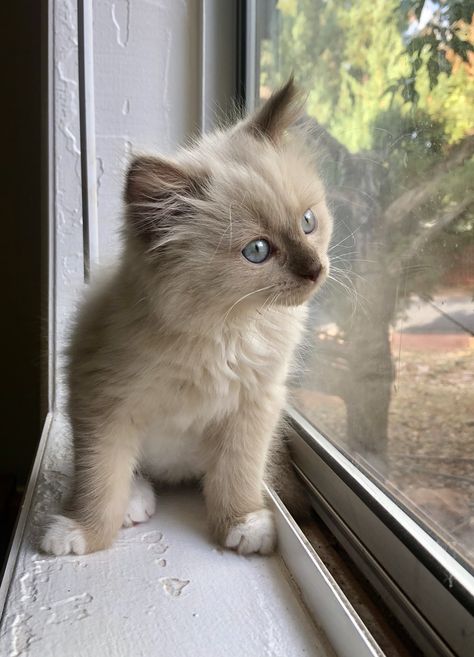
x=147, y=72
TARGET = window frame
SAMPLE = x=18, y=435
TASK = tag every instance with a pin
x=430, y=592
x=422, y=584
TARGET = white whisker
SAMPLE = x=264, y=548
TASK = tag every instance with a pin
x=245, y=296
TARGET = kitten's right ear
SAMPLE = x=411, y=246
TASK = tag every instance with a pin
x=156, y=190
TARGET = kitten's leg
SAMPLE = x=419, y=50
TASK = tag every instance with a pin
x=104, y=467
x=233, y=485
x=142, y=504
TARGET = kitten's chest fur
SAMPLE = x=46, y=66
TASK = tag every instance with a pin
x=197, y=381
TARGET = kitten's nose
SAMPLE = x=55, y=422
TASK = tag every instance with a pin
x=312, y=274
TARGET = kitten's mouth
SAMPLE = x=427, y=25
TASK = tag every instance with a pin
x=299, y=293
x=295, y=296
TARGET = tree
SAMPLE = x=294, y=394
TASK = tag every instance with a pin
x=391, y=103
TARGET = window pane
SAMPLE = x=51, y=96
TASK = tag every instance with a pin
x=389, y=373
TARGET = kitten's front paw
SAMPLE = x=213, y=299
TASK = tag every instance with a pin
x=63, y=536
x=257, y=533
x=142, y=503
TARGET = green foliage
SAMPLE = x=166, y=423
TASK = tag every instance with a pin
x=355, y=62
x=428, y=46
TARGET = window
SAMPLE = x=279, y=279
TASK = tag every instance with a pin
x=388, y=377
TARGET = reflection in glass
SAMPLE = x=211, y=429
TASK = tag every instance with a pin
x=389, y=373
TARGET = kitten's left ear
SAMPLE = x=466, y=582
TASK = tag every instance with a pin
x=276, y=115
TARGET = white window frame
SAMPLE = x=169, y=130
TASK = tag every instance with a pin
x=430, y=592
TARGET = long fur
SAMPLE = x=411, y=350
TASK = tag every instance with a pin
x=178, y=362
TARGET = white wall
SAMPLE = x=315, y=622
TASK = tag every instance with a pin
x=147, y=73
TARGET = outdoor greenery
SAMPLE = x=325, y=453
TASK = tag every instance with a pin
x=391, y=107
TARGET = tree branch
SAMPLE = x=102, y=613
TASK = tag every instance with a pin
x=334, y=148
x=412, y=199
x=437, y=223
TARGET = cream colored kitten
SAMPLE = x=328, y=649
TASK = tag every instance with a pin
x=178, y=363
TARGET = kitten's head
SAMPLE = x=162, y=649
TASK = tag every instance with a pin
x=236, y=221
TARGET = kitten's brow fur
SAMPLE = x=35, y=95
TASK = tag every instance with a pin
x=178, y=362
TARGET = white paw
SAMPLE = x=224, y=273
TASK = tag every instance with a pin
x=257, y=533
x=141, y=505
x=63, y=536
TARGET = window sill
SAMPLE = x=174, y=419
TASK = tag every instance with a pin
x=163, y=586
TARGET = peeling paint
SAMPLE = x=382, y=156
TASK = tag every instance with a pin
x=158, y=548
x=22, y=636
x=120, y=12
x=151, y=537
x=126, y=107
x=173, y=586
x=70, y=609
x=100, y=172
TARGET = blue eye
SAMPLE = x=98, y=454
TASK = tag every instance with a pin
x=257, y=251
x=309, y=222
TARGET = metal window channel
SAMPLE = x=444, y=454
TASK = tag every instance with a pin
x=328, y=605
x=428, y=589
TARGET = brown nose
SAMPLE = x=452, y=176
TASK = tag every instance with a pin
x=304, y=263
x=312, y=273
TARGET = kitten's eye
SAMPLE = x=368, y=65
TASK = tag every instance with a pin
x=309, y=222
x=257, y=251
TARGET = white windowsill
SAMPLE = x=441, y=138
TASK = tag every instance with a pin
x=162, y=589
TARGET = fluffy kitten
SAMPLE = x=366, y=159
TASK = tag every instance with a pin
x=178, y=363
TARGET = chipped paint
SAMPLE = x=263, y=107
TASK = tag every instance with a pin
x=173, y=586
x=126, y=106
x=120, y=12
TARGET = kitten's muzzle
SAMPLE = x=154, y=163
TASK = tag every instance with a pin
x=310, y=273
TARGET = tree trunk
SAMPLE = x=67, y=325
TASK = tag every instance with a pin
x=371, y=370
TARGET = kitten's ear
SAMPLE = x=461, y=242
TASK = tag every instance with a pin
x=284, y=106
x=158, y=191
x=149, y=179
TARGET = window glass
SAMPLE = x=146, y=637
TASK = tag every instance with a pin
x=389, y=372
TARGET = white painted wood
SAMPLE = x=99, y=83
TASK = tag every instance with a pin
x=66, y=252
x=87, y=132
x=163, y=589
x=147, y=92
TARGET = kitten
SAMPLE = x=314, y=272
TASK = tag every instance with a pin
x=177, y=364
